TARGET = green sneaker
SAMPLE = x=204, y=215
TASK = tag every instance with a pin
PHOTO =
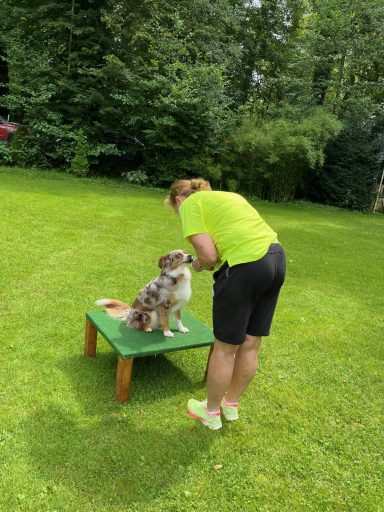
x=198, y=410
x=230, y=410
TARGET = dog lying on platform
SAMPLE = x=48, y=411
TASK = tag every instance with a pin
x=166, y=294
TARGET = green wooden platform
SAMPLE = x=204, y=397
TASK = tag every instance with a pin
x=130, y=343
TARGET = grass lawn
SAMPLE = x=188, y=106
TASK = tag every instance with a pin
x=310, y=437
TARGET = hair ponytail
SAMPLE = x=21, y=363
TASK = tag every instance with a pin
x=200, y=184
x=186, y=188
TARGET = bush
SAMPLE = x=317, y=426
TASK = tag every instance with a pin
x=25, y=149
x=271, y=158
x=79, y=163
x=5, y=153
x=137, y=177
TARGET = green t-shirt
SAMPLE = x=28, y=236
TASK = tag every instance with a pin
x=238, y=231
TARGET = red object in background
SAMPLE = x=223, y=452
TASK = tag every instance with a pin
x=7, y=129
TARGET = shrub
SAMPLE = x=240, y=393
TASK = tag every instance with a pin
x=25, y=148
x=5, y=153
x=270, y=158
x=79, y=163
x=137, y=177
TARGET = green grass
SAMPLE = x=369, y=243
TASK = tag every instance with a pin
x=310, y=436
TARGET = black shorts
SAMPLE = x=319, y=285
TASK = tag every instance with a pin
x=245, y=296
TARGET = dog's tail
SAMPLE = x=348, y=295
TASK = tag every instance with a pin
x=115, y=308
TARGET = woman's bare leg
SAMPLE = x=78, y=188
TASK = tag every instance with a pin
x=244, y=369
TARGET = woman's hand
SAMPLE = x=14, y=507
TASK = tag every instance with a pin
x=205, y=248
x=196, y=265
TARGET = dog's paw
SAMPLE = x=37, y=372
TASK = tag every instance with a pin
x=183, y=329
x=148, y=329
x=168, y=334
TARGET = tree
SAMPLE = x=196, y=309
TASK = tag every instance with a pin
x=345, y=41
x=272, y=157
x=180, y=87
x=79, y=163
x=347, y=176
x=171, y=70
x=3, y=77
x=52, y=88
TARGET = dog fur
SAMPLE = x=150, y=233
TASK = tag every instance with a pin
x=166, y=294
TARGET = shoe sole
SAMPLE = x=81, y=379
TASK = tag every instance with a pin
x=230, y=419
x=203, y=421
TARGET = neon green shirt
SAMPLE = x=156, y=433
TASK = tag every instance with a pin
x=238, y=231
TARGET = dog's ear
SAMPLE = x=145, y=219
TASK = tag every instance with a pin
x=162, y=262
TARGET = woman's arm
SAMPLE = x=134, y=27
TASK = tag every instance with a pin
x=206, y=251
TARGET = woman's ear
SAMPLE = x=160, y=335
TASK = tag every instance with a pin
x=179, y=200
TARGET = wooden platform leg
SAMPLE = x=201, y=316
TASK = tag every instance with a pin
x=206, y=369
x=123, y=379
x=90, y=339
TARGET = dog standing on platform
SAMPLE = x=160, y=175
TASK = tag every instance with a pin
x=166, y=294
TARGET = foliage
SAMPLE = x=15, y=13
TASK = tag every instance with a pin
x=26, y=150
x=79, y=163
x=53, y=89
x=272, y=157
x=5, y=153
x=137, y=177
x=165, y=87
x=347, y=177
x=172, y=90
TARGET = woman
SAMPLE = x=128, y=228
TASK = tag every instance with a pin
x=231, y=238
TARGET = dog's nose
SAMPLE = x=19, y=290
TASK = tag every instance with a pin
x=190, y=258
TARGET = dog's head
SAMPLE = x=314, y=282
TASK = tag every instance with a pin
x=138, y=319
x=174, y=259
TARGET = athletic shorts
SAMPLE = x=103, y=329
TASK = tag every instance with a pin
x=245, y=296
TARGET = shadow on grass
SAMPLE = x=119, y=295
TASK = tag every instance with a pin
x=112, y=459
x=154, y=379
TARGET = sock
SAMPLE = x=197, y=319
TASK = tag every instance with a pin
x=229, y=404
x=213, y=413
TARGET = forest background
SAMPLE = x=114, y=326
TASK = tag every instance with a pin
x=279, y=98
